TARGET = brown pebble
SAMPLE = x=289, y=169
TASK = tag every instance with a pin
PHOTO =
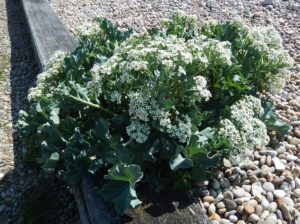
x=277, y=181
x=215, y=216
x=248, y=209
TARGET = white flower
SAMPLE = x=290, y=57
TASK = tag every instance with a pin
x=116, y=97
x=200, y=87
x=182, y=130
x=138, y=131
x=243, y=129
x=138, y=106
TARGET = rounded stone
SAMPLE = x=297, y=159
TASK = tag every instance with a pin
x=233, y=218
x=297, y=193
x=289, y=202
x=268, y=187
x=253, y=218
x=211, y=209
x=230, y=205
x=238, y=193
x=228, y=195
x=271, y=219
x=248, y=209
x=265, y=204
x=279, y=193
x=208, y=199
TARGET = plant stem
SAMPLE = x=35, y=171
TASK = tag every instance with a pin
x=92, y=105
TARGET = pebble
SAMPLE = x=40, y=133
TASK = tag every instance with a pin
x=248, y=209
x=289, y=202
x=285, y=212
x=228, y=195
x=279, y=166
x=256, y=188
x=233, y=218
x=265, y=204
x=279, y=193
x=271, y=219
x=295, y=141
x=211, y=209
x=208, y=199
x=297, y=193
x=253, y=218
x=268, y=187
x=230, y=205
x=215, y=216
x=238, y=193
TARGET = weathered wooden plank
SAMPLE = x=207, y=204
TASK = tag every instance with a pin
x=47, y=31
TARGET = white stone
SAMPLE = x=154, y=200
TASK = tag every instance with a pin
x=288, y=201
x=271, y=219
x=256, y=189
x=268, y=187
x=265, y=203
x=290, y=157
x=279, y=166
x=297, y=193
x=238, y=193
x=279, y=193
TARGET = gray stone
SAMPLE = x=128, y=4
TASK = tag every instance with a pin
x=228, y=195
x=215, y=184
x=271, y=153
x=270, y=2
x=230, y=205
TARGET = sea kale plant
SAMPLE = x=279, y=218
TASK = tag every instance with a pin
x=157, y=109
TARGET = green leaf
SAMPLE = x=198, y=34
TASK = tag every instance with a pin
x=51, y=163
x=120, y=189
x=178, y=162
x=95, y=166
x=123, y=172
x=101, y=128
x=54, y=115
x=122, y=194
x=271, y=120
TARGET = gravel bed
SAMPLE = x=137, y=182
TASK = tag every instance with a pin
x=268, y=191
x=24, y=191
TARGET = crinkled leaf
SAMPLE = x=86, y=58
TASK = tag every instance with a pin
x=271, y=120
x=178, y=162
x=122, y=194
x=127, y=173
x=51, y=163
x=101, y=128
x=95, y=166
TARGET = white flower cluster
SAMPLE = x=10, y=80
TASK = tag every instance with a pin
x=200, y=87
x=138, y=131
x=268, y=41
x=52, y=70
x=243, y=129
x=182, y=130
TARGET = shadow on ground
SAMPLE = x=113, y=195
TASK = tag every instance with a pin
x=26, y=194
